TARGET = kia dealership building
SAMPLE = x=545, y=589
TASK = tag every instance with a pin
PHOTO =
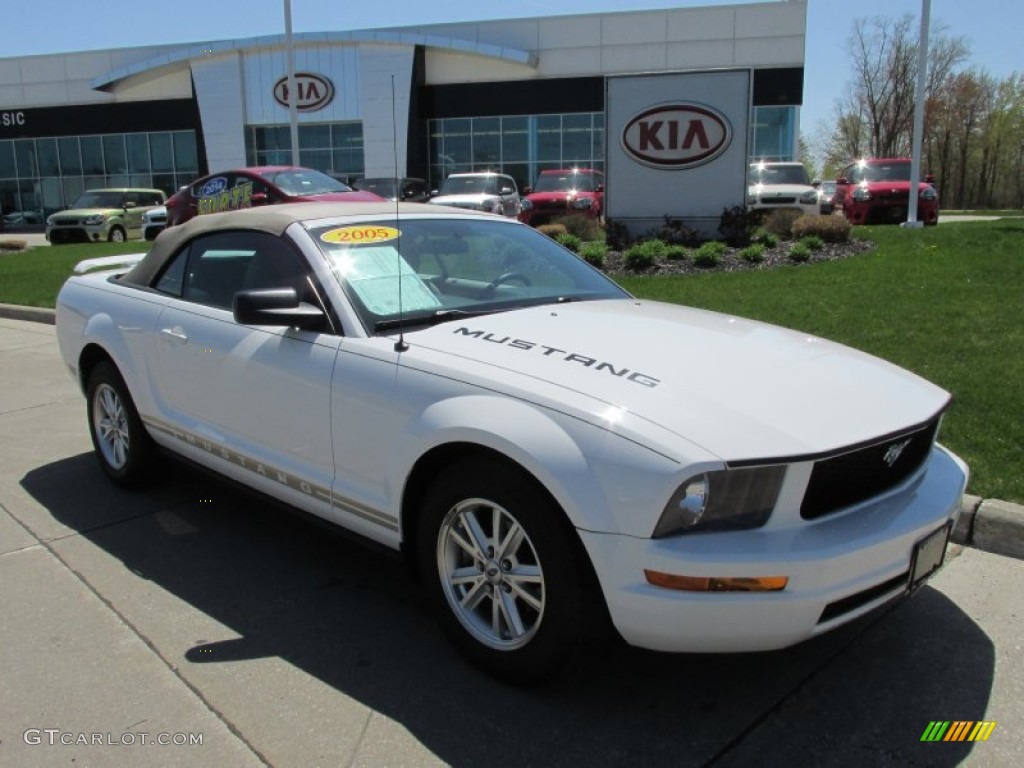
x=671, y=104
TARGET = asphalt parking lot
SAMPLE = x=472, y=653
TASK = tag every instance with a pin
x=192, y=610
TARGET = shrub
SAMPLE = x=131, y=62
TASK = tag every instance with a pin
x=768, y=240
x=570, y=241
x=552, y=230
x=799, y=252
x=813, y=242
x=709, y=254
x=644, y=254
x=676, y=252
x=831, y=229
x=780, y=222
x=738, y=224
x=13, y=245
x=752, y=253
x=616, y=235
x=584, y=227
x=674, y=232
x=593, y=253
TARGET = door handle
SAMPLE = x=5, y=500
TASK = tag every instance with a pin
x=175, y=333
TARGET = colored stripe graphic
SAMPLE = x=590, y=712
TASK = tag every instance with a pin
x=958, y=730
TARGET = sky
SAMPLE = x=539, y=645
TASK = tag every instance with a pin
x=992, y=28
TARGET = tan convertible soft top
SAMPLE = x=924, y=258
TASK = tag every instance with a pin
x=274, y=219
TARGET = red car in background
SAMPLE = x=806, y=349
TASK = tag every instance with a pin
x=564, y=192
x=261, y=185
x=877, y=191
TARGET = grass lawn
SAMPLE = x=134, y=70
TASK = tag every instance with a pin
x=946, y=302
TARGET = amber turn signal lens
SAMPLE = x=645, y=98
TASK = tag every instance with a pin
x=717, y=583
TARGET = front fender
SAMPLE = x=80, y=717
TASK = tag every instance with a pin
x=578, y=463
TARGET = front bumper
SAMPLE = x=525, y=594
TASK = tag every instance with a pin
x=839, y=567
x=77, y=234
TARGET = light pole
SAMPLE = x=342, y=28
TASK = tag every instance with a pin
x=293, y=96
x=915, y=151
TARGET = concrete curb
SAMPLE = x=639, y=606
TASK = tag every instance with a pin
x=32, y=314
x=988, y=524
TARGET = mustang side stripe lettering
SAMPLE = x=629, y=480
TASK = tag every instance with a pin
x=245, y=462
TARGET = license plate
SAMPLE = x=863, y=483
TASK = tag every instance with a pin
x=928, y=555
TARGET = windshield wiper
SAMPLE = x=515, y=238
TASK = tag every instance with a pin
x=440, y=316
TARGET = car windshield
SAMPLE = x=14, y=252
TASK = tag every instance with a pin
x=470, y=185
x=452, y=267
x=564, y=182
x=305, y=181
x=778, y=174
x=99, y=199
x=386, y=188
x=885, y=172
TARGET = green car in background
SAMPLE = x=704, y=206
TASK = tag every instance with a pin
x=103, y=214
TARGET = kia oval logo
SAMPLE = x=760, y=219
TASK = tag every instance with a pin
x=674, y=136
x=314, y=92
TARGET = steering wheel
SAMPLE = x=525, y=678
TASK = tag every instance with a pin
x=504, y=278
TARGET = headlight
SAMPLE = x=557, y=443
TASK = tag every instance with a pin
x=526, y=204
x=49, y=221
x=929, y=193
x=751, y=200
x=96, y=218
x=861, y=194
x=809, y=198
x=725, y=500
x=487, y=205
x=582, y=203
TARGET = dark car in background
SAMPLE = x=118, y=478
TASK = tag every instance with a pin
x=877, y=191
x=390, y=188
x=259, y=185
x=564, y=192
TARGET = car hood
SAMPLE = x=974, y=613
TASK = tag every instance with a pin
x=476, y=199
x=81, y=212
x=894, y=186
x=739, y=389
x=769, y=190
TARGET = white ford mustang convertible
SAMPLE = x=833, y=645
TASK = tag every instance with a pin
x=547, y=451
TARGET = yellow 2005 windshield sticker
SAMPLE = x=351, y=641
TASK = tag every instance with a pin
x=363, y=234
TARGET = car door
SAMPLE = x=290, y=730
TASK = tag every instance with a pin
x=251, y=401
x=131, y=204
x=510, y=202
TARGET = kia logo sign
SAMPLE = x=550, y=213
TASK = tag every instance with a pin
x=674, y=136
x=314, y=91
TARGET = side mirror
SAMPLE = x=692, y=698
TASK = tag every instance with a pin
x=929, y=178
x=527, y=190
x=506, y=191
x=842, y=180
x=600, y=188
x=259, y=198
x=127, y=204
x=275, y=306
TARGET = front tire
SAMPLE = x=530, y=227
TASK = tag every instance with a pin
x=116, y=235
x=502, y=570
x=122, y=445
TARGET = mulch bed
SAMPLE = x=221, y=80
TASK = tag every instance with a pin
x=729, y=262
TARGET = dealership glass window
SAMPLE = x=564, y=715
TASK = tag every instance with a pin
x=773, y=133
x=7, y=168
x=25, y=157
x=46, y=174
x=92, y=154
x=138, y=153
x=70, y=157
x=46, y=157
x=518, y=145
x=334, y=148
x=161, y=153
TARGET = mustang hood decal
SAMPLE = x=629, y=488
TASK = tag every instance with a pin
x=738, y=388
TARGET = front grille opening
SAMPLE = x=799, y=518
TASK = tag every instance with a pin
x=857, y=476
x=855, y=601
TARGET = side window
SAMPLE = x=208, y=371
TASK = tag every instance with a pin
x=212, y=269
x=171, y=280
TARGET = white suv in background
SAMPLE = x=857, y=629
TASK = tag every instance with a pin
x=486, y=191
x=777, y=184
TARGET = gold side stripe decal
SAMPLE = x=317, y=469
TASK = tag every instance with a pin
x=245, y=462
